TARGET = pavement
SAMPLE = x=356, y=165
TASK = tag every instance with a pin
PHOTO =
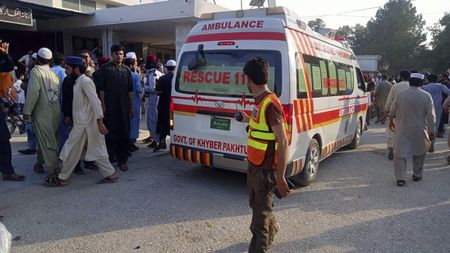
x=165, y=205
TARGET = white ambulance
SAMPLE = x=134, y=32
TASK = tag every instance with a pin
x=317, y=80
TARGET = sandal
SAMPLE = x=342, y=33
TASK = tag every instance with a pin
x=13, y=177
x=401, y=183
x=123, y=167
x=108, y=180
x=38, y=168
x=416, y=178
x=55, y=181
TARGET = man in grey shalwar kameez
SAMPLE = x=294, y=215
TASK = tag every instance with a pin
x=414, y=116
x=395, y=90
x=42, y=105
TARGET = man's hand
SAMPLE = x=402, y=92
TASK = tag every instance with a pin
x=26, y=118
x=245, y=117
x=446, y=109
x=101, y=127
x=431, y=136
x=4, y=48
x=132, y=111
x=392, y=125
x=67, y=121
x=282, y=186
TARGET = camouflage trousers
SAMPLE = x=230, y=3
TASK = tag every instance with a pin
x=260, y=186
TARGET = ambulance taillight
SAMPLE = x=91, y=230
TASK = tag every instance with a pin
x=171, y=114
x=288, y=114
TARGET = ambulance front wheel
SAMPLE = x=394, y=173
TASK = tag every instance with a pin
x=311, y=167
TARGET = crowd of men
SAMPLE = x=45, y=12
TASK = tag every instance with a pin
x=67, y=100
x=416, y=107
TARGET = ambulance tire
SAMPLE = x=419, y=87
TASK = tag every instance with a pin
x=311, y=167
x=357, y=137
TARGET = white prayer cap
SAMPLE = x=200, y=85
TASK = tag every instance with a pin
x=171, y=63
x=34, y=55
x=45, y=53
x=417, y=75
x=131, y=55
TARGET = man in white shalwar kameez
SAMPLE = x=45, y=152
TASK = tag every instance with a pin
x=87, y=125
x=415, y=119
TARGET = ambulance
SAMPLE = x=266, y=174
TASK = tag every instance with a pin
x=317, y=80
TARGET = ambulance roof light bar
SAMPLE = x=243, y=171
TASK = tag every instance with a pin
x=279, y=10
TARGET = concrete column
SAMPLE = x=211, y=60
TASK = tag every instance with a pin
x=181, y=32
x=109, y=38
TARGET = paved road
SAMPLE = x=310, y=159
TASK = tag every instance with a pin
x=166, y=205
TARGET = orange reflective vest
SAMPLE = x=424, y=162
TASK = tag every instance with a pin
x=259, y=133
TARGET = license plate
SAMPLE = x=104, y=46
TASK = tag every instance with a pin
x=220, y=123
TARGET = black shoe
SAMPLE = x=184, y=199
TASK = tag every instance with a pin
x=79, y=171
x=391, y=154
x=13, y=177
x=416, y=178
x=147, y=140
x=152, y=144
x=27, y=151
x=160, y=146
x=133, y=148
x=401, y=183
x=90, y=166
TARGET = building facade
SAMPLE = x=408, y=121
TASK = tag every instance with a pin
x=157, y=27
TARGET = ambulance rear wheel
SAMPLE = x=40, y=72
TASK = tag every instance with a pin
x=311, y=167
x=357, y=138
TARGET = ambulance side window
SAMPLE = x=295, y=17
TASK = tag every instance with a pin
x=342, y=86
x=313, y=68
x=325, y=79
x=350, y=80
x=332, y=82
x=301, y=80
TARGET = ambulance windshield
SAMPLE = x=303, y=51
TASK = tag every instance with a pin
x=221, y=73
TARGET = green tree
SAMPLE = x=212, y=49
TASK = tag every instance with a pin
x=356, y=36
x=396, y=33
x=441, y=44
x=317, y=24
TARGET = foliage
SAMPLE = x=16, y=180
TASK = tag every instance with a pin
x=396, y=33
x=317, y=24
x=441, y=44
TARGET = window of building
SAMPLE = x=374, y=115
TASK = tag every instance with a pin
x=71, y=4
x=87, y=5
x=79, y=5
